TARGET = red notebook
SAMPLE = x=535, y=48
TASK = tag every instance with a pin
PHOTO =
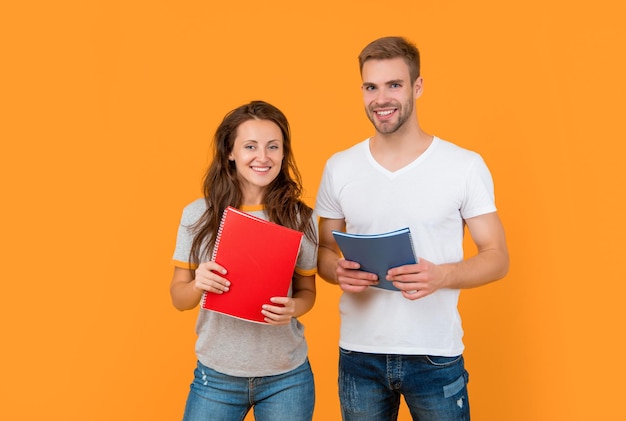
x=260, y=257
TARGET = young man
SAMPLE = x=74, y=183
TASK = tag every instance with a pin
x=409, y=342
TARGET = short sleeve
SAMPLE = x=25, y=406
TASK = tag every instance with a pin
x=307, y=258
x=184, y=238
x=479, y=196
x=327, y=203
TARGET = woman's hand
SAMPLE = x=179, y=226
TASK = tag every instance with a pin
x=281, y=313
x=207, y=278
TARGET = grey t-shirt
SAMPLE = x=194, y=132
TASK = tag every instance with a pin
x=237, y=347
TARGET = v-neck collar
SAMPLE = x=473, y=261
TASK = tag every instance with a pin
x=392, y=174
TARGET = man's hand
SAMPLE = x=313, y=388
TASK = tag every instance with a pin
x=417, y=280
x=351, y=279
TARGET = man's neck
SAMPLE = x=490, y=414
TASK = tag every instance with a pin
x=396, y=150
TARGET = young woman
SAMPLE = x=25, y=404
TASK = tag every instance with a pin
x=241, y=364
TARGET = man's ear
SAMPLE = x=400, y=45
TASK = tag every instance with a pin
x=418, y=87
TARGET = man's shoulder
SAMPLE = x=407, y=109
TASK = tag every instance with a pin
x=453, y=149
x=349, y=153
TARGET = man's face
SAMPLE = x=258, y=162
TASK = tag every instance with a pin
x=388, y=94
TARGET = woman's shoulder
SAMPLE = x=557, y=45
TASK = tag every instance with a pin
x=193, y=211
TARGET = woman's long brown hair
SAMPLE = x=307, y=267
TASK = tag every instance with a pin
x=282, y=201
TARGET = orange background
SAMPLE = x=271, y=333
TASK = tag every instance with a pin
x=108, y=108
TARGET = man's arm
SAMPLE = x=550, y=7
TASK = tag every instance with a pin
x=328, y=252
x=489, y=264
x=332, y=267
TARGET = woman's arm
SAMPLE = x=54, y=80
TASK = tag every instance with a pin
x=187, y=286
x=184, y=293
x=301, y=301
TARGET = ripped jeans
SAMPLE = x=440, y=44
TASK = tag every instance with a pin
x=370, y=387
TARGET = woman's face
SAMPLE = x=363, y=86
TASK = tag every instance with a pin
x=258, y=155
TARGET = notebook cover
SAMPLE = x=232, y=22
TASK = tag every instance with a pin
x=377, y=253
x=260, y=257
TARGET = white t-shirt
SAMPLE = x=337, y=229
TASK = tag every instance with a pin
x=432, y=196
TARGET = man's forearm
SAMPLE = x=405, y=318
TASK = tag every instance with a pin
x=485, y=267
x=327, y=265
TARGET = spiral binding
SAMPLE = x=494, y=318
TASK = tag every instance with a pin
x=215, y=246
x=219, y=234
x=412, y=246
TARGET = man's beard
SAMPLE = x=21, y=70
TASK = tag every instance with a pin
x=388, y=127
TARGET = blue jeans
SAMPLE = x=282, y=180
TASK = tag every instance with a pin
x=218, y=397
x=370, y=387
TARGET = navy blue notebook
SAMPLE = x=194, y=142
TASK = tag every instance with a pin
x=377, y=253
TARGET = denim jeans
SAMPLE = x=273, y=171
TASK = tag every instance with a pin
x=370, y=387
x=218, y=397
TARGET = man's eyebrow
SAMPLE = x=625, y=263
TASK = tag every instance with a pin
x=389, y=82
